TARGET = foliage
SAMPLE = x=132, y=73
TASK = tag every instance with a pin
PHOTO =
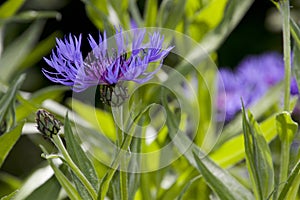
x=167, y=140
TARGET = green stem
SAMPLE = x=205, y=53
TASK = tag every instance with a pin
x=284, y=163
x=285, y=10
x=108, y=177
x=59, y=144
x=285, y=146
x=120, y=155
x=123, y=182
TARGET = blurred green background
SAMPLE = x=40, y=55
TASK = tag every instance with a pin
x=258, y=32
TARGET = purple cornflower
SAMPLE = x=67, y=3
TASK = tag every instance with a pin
x=105, y=65
x=253, y=77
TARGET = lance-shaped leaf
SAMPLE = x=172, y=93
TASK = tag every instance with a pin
x=290, y=183
x=258, y=157
x=226, y=185
x=81, y=160
x=8, y=140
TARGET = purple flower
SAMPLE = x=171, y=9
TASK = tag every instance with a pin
x=105, y=65
x=253, y=77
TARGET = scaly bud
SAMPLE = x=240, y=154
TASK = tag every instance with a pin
x=47, y=124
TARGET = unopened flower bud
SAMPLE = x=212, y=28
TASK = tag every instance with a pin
x=47, y=124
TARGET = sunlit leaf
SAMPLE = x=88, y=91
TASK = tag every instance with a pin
x=207, y=18
x=98, y=13
x=234, y=12
x=10, y=7
x=258, y=157
x=150, y=13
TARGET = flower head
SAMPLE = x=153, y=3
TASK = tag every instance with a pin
x=105, y=65
x=253, y=77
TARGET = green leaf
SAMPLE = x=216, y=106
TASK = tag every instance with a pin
x=17, y=52
x=258, y=157
x=10, y=7
x=233, y=151
x=98, y=13
x=295, y=31
x=207, y=19
x=81, y=160
x=170, y=13
x=8, y=140
x=49, y=190
x=7, y=101
x=296, y=62
x=150, y=13
x=289, y=184
x=62, y=179
x=28, y=16
x=209, y=169
x=180, y=196
x=286, y=127
x=40, y=50
x=27, y=107
x=234, y=12
x=216, y=182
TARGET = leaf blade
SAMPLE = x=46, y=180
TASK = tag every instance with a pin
x=258, y=157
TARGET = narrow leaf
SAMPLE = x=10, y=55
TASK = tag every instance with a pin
x=80, y=159
x=10, y=7
x=63, y=180
x=150, y=13
x=216, y=183
x=8, y=140
x=16, y=52
x=40, y=50
x=258, y=157
x=7, y=101
x=181, y=141
x=171, y=12
x=289, y=183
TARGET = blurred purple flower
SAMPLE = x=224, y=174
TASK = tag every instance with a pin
x=253, y=77
x=102, y=68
